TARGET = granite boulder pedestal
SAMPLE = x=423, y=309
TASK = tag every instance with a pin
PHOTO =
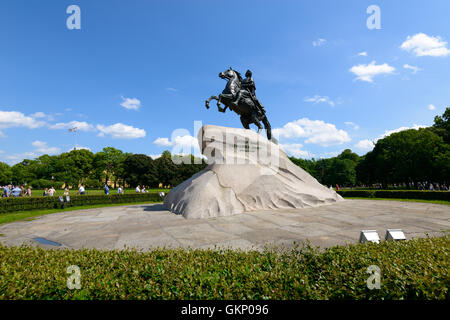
x=245, y=172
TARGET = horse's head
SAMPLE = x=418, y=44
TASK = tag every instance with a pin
x=230, y=74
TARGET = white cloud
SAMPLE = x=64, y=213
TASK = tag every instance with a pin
x=80, y=125
x=181, y=142
x=424, y=45
x=186, y=141
x=38, y=115
x=414, y=69
x=163, y=142
x=42, y=115
x=12, y=159
x=319, y=42
x=431, y=107
x=154, y=156
x=121, y=131
x=364, y=145
x=42, y=147
x=9, y=119
x=131, y=103
x=295, y=150
x=319, y=99
x=171, y=89
x=366, y=72
x=352, y=124
x=315, y=132
x=362, y=54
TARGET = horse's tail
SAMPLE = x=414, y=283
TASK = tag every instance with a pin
x=267, y=127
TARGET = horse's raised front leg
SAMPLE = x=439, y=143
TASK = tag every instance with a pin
x=210, y=98
x=219, y=101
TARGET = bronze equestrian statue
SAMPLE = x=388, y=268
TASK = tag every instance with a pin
x=239, y=96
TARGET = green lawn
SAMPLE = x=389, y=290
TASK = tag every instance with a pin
x=30, y=215
x=406, y=200
x=72, y=192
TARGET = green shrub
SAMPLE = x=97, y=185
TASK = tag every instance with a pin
x=397, y=194
x=414, y=269
x=37, y=203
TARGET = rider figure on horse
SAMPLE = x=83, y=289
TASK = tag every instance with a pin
x=248, y=84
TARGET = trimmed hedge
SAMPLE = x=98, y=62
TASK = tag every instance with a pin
x=38, y=203
x=397, y=194
x=414, y=269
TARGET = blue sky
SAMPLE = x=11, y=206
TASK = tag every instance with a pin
x=138, y=70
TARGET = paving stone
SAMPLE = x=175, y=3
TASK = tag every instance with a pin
x=150, y=226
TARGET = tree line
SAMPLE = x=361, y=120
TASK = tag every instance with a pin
x=111, y=166
x=407, y=157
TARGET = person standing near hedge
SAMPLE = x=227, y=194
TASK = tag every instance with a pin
x=120, y=190
x=16, y=192
x=6, y=191
x=106, y=189
x=29, y=192
x=45, y=192
x=66, y=192
x=81, y=191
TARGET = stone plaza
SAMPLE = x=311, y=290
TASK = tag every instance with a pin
x=150, y=226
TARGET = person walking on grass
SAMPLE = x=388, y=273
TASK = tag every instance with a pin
x=81, y=190
x=120, y=190
x=106, y=189
x=29, y=192
x=66, y=191
x=51, y=191
x=45, y=192
x=138, y=189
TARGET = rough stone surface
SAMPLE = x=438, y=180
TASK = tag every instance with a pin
x=150, y=226
x=246, y=172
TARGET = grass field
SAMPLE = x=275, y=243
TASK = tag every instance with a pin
x=72, y=192
x=30, y=215
x=405, y=200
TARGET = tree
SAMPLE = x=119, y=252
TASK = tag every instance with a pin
x=139, y=169
x=23, y=172
x=442, y=125
x=166, y=169
x=74, y=167
x=406, y=156
x=5, y=174
x=339, y=170
x=109, y=163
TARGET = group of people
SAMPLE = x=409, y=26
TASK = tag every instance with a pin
x=141, y=190
x=15, y=191
x=433, y=187
x=119, y=189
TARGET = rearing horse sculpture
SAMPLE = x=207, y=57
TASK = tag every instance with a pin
x=246, y=107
